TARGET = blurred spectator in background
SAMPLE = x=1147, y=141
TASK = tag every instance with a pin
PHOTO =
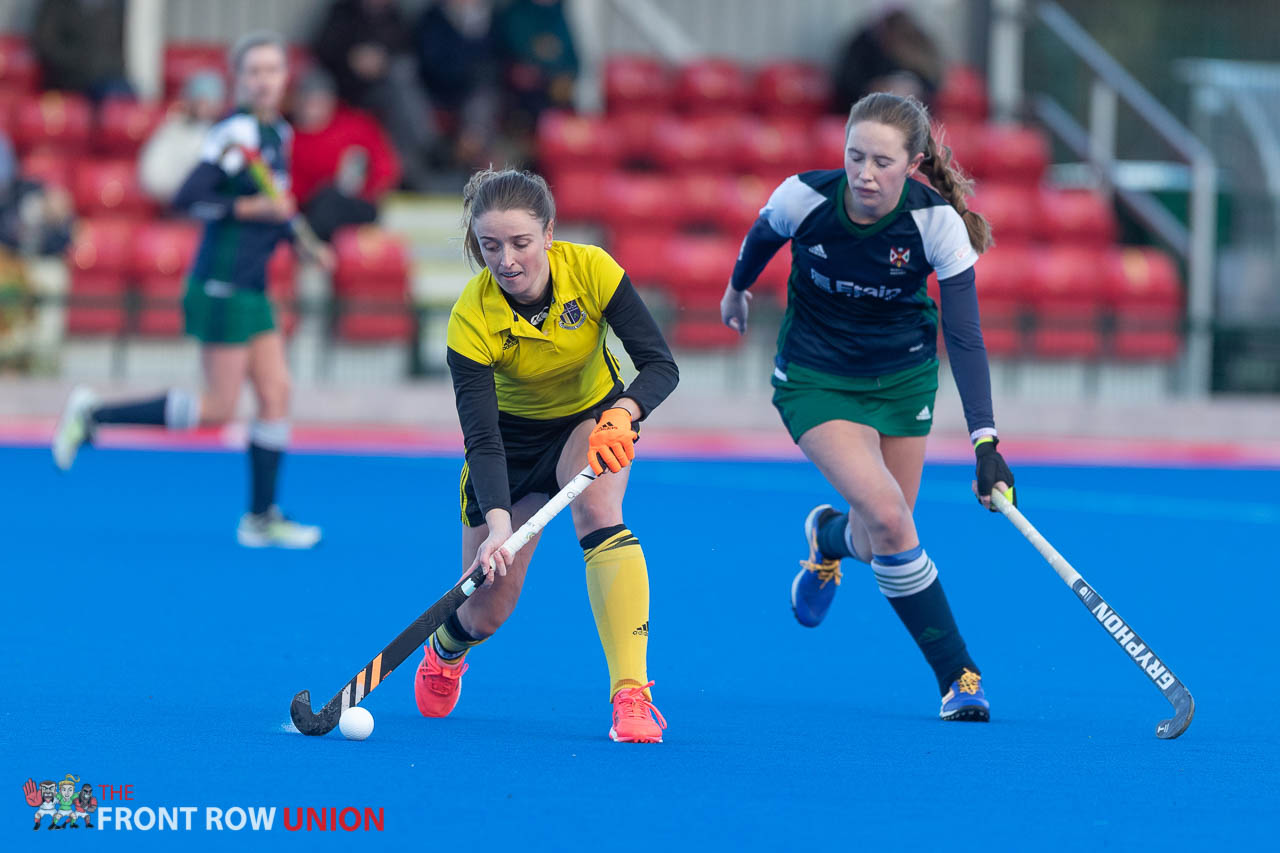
x=342, y=161
x=458, y=63
x=891, y=54
x=173, y=151
x=541, y=63
x=34, y=220
x=365, y=45
x=80, y=45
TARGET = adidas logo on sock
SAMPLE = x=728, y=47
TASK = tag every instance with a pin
x=924, y=415
x=642, y=631
x=819, y=251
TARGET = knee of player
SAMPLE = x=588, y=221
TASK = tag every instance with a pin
x=274, y=398
x=889, y=519
x=483, y=625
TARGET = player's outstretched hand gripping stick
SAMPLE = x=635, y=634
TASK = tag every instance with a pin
x=1184, y=707
x=424, y=626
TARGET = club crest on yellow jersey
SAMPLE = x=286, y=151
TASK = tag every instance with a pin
x=572, y=317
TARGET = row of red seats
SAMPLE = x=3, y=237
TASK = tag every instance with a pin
x=717, y=85
x=67, y=123
x=770, y=148
x=623, y=200
x=1140, y=287
x=109, y=258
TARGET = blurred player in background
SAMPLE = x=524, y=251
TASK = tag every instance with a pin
x=539, y=394
x=857, y=370
x=226, y=305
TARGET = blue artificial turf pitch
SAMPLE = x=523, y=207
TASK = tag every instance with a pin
x=142, y=646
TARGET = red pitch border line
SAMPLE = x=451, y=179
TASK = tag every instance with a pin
x=674, y=444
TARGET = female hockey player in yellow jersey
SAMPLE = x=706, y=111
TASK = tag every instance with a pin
x=539, y=394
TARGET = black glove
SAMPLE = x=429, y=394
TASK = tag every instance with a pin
x=991, y=470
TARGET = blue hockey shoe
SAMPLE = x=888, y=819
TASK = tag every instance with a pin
x=815, y=587
x=965, y=701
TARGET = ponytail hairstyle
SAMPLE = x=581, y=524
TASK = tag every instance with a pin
x=503, y=189
x=912, y=118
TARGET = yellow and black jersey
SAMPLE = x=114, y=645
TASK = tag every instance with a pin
x=512, y=378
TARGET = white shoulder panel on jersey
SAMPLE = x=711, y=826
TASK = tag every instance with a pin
x=946, y=240
x=790, y=203
x=225, y=138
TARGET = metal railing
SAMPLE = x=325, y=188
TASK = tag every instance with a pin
x=1195, y=243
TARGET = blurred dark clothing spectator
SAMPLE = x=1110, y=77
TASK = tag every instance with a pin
x=80, y=46
x=893, y=54
x=342, y=161
x=173, y=150
x=366, y=46
x=458, y=63
x=541, y=62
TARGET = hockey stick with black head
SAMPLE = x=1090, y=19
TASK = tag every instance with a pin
x=1184, y=706
x=372, y=674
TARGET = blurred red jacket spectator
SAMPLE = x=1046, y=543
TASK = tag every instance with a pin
x=318, y=155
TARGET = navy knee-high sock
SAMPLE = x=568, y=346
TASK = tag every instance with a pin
x=910, y=581
x=267, y=443
x=176, y=409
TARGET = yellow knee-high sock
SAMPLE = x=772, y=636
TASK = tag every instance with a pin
x=618, y=584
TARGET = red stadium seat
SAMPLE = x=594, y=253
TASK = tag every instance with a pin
x=1142, y=287
x=1145, y=345
x=963, y=95
x=567, y=140
x=636, y=83
x=102, y=247
x=1012, y=209
x=124, y=125
x=1012, y=153
x=698, y=199
x=364, y=322
x=109, y=188
x=966, y=144
x=827, y=142
x=49, y=167
x=164, y=250
x=778, y=147
x=182, y=59
x=697, y=144
x=704, y=331
x=370, y=261
x=1066, y=287
x=744, y=196
x=792, y=89
x=634, y=133
x=1055, y=343
x=579, y=194
x=712, y=86
x=637, y=200
x=1075, y=216
x=1003, y=277
x=19, y=70
x=95, y=305
x=281, y=273
x=700, y=266
x=54, y=120
x=643, y=254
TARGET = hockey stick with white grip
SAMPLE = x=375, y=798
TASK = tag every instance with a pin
x=1184, y=706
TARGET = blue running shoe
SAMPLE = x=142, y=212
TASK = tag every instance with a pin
x=814, y=588
x=965, y=701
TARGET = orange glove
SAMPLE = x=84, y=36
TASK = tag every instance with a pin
x=611, y=442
